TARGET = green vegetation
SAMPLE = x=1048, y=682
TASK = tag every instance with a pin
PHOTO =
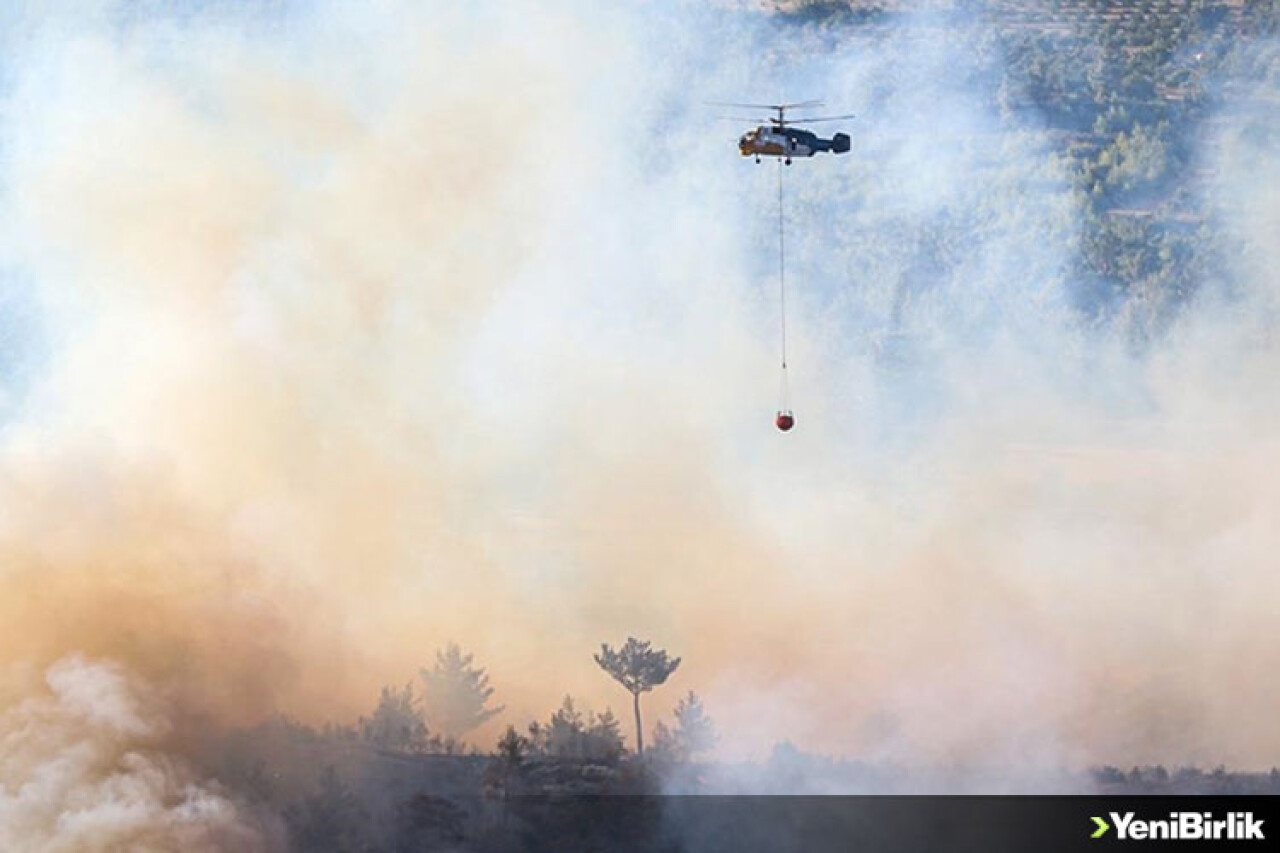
x=1129, y=87
x=1127, y=93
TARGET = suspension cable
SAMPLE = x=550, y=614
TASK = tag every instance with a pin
x=782, y=270
x=782, y=284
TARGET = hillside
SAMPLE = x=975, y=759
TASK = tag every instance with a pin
x=1131, y=94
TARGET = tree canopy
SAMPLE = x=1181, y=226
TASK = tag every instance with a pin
x=396, y=724
x=636, y=666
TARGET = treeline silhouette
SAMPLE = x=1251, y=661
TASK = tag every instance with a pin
x=406, y=777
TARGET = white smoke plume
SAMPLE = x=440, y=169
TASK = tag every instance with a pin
x=82, y=769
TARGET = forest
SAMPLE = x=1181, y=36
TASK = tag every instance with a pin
x=1128, y=92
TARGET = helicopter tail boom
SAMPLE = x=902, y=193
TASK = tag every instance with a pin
x=838, y=144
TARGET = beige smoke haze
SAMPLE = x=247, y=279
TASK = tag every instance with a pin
x=365, y=330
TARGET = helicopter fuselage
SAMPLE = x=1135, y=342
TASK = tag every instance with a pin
x=788, y=142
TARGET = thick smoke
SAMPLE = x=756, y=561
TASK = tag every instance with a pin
x=355, y=330
x=82, y=771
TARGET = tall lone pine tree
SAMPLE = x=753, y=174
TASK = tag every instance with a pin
x=639, y=669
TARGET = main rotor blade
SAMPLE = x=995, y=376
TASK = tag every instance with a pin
x=734, y=104
x=824, y=118
x=801, y=105
x=742, y=118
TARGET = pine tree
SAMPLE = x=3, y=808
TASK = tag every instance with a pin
x=396, y=724
x=695, y=733
x=639, y=669
x=456, y=693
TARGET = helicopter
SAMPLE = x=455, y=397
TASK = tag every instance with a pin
x=778, y=138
